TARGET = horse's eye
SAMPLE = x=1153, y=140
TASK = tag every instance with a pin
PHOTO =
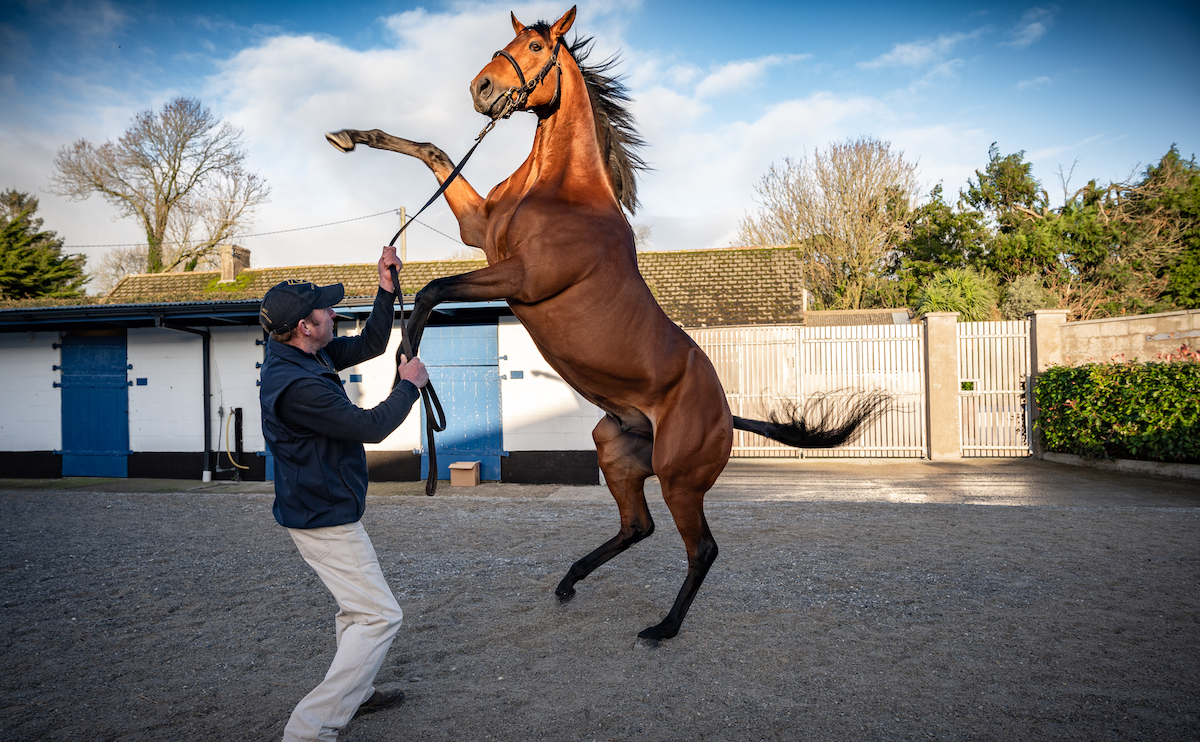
x=535, y=47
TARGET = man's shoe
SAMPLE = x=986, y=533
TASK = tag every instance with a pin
x=380, y=700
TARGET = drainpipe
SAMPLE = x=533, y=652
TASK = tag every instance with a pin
x=207, y=338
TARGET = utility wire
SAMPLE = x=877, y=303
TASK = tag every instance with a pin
x=280, y=231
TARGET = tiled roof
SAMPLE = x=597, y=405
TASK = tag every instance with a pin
x=736, y=286
x=360, y=279
x=733, y=286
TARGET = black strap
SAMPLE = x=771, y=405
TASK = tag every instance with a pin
x=428, y=394
x=513, y=62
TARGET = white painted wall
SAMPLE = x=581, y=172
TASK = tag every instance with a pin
x=234, y=380
x=167, y=414
x=539, y=412
x=30, y=404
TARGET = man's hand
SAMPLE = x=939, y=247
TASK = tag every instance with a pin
x=385, y=276
x=413, y=371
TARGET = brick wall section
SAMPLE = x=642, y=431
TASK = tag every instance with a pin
x=696, y=288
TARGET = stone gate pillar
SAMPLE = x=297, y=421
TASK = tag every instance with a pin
x=943, y=430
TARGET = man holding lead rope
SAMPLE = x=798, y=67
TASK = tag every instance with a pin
x=316, y=435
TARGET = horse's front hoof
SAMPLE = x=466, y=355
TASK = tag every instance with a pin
x=341, y=140
x=564, y=594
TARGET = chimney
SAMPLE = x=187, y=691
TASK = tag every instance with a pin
x=234, y=260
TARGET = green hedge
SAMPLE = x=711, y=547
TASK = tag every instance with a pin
x=1148, y=411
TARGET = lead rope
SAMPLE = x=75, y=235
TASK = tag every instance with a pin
x=428, y=395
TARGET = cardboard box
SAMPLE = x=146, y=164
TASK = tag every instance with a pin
x=464, y=474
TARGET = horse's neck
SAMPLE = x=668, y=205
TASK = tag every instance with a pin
x=565, y=147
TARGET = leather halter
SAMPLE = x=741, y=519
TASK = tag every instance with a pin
x=516, y=98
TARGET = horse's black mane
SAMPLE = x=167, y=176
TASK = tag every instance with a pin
x=615, y=129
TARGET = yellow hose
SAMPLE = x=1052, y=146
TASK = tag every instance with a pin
x=227, y=451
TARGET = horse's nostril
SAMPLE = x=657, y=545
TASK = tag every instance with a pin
x=483, y=86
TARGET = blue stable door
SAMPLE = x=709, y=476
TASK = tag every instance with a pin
x=95, y=407
x=464, y=368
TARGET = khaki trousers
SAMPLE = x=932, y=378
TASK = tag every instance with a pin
x=367, y=620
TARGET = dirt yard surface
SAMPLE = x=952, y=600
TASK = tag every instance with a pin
x=993, y=601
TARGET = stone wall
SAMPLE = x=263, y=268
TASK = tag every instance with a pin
x=1140, y=337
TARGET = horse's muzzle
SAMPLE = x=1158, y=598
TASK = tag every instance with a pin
x=486, y=96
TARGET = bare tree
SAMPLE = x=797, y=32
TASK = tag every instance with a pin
x=180, y=172
x=467, y=252
x=847, y=208
x=641, y=236
x=115, y=264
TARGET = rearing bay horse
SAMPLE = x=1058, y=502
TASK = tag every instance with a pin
x=561, y=252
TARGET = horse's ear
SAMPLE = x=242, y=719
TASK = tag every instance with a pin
x=562, y=25
x=518, y=27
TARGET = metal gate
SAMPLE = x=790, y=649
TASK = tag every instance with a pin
x=95, y=407
x=763, y=369
x=464, y=366
x=993, y=365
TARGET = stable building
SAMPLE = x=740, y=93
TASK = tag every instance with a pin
x=160, y=377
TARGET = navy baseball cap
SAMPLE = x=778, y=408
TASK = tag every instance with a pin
x=291, y=301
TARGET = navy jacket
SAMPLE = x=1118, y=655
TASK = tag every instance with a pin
x=316, y=433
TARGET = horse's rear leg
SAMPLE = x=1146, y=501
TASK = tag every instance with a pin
x=686, y=502
x=691, y=447
x=625, y=459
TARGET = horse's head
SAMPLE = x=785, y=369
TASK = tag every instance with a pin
x=520, y=76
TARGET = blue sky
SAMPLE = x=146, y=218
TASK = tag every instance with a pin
x=721, y=91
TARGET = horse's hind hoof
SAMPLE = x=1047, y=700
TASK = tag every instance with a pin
x=341, y=140
x=654, y=635
x=643, y=643
x=564, y=595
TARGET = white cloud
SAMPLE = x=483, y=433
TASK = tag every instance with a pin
x=918, y=53
x=1034, y=84
x=741, y=75
x=1053, y=151
x=1033, y=25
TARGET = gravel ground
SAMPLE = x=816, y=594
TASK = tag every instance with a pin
x=190, y=616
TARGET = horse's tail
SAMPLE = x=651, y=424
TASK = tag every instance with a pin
x=826, y=420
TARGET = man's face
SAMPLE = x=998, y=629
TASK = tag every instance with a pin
x=320, y=323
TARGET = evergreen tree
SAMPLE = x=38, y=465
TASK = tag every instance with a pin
x=31, y=261
x=1170, y=213
x=1117, y=249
